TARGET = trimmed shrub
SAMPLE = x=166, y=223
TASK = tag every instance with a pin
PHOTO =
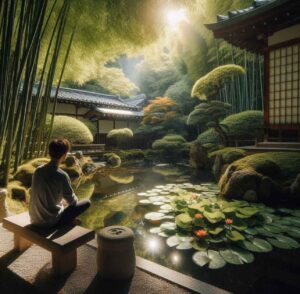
x=112, y=159
x=72, y=129
x=244, y=125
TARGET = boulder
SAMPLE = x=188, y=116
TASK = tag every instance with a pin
x=250, y=196
x=79, y=154
x=70, y=161
x=218, y=166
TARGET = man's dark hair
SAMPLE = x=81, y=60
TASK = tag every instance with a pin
x=58, y=148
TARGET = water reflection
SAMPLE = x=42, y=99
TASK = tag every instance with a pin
x=153, y=244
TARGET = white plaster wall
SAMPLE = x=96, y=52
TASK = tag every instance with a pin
x=284, y=35
x=120, y=124
x=105, y=126
x=133, y=125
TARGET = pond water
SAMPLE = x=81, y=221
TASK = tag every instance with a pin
x=115, y=201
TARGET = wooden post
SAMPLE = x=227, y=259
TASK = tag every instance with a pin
x=21, y=244
x=64, y=262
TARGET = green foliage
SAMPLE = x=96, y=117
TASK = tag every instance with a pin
x=72, y=129
x=180, y=92
x=120, y=134
x=133, y=154
x=237, y=126
x=209, y=86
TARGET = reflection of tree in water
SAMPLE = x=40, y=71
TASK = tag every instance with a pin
x=121, y=178
x=122, y=210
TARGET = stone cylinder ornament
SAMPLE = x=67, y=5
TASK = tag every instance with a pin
x=116, y=255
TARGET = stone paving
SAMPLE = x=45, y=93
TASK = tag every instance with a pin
x=30, y=272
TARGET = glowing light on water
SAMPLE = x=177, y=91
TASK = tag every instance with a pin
x=174, y=17
x=153, y=244
x=175, y=257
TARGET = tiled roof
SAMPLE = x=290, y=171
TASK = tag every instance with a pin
x=255, y=5
x=137, y=100
x=119, y=112
x=91, y=98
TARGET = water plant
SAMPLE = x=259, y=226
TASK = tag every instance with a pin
x=195, y=217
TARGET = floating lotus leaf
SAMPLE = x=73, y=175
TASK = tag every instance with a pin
x=167, y=207
x=248, y=211
x=294, y=221
x=200, y=245
x=215, y=239
x=279, y=244
x=157, y=203
x=155, y=230
x=251, y=231
x=230, y=257
x=173, y=241
x=274, y=229
x=216, y=230
x=184, y=246
x=154, y=216
x=264, y=232
x=250, y=246
x=239, y=225
x=216, y=260
x=214, y=217
x=168, y=226
x=184, y=221
x=293, y=243
x=229, y=209
x=294, y=232
x=285, y=210
x=142, y=194
x=201, y=258
x=145, y=202
x=245, y=256
x=234, y=236
x=263, y=244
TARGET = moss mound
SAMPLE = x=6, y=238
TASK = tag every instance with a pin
x=268, y=175
x=245, y=125
x=228, y=154
x=72, y=129
x=133, y=154
x=112, y=159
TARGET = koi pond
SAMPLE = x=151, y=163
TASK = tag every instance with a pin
x=180, y=222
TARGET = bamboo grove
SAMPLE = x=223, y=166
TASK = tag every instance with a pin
x=26, y=77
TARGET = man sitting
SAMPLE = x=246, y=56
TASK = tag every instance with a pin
x=50, y=185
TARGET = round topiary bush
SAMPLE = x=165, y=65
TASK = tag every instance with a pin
x=72, y=129
x=245, y=125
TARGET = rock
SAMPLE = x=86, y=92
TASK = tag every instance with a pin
x=113, y=160
x=199, y=157
x=70, y=161
x=234, y=184
x=268, y=168
x=295, y=187
x=89, y=168
x=24, y=174
x=250, y=195
x=79, y=154
x=265, y=188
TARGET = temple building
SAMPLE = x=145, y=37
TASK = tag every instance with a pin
x=106, y=111
x=271, y=28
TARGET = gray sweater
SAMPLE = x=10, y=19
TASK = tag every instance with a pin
x=50, y=185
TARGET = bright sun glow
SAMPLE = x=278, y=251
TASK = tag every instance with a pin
x=153, y=245
x=174, y=17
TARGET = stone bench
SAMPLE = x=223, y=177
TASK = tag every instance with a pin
x=62, y=242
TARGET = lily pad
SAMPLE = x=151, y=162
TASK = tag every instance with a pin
x=155, y=230
x=216, y=260
x=184, y=221
x=230, y=257
x=201, y=258
x=145, y=202
x=264, y=245
x=235, y=236
x=292, y=243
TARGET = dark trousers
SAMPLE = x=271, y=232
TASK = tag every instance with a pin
x=72, y=211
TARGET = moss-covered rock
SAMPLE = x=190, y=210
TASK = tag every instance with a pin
x=199, y=156
x=228, y=154
x=24, y=174
x=270, y=175
x=112, y=159
x=133, y=154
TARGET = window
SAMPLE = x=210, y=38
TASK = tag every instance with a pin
x=284, y=85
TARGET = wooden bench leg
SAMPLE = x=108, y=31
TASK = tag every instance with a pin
x=63, y=263
x=20, y=243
